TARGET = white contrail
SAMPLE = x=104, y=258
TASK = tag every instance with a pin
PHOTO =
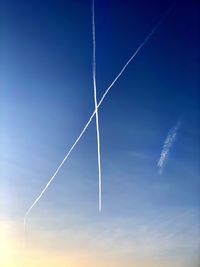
x=93, y=114
x=95, y=102
x=171, y=137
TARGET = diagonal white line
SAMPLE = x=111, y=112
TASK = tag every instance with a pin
x=93, y=114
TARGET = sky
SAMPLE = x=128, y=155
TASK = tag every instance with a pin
x=150, y=214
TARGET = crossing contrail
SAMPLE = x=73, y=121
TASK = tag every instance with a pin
x=95, y=102
x=171, y=137
x=93, y=114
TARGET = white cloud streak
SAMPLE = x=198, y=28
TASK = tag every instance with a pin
x=95, y=102
x=93, y=114
x=170, y=139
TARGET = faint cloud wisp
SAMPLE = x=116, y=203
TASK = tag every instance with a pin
x=170, y=139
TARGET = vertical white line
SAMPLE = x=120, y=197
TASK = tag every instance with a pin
x=96, y=105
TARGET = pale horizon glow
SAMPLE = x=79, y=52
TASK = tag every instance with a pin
x=144, y=242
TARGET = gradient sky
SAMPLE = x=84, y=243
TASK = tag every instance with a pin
x=46, y=97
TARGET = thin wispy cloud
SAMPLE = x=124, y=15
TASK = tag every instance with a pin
x=148, y=236
x=170, y=139
x=171, y=237
x=95, y=102
x=94, y=112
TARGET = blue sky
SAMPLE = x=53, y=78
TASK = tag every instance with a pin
x=47, y=97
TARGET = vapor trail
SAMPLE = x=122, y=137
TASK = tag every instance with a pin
x=93, y=114
x=170, y=139
x=95, y=102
